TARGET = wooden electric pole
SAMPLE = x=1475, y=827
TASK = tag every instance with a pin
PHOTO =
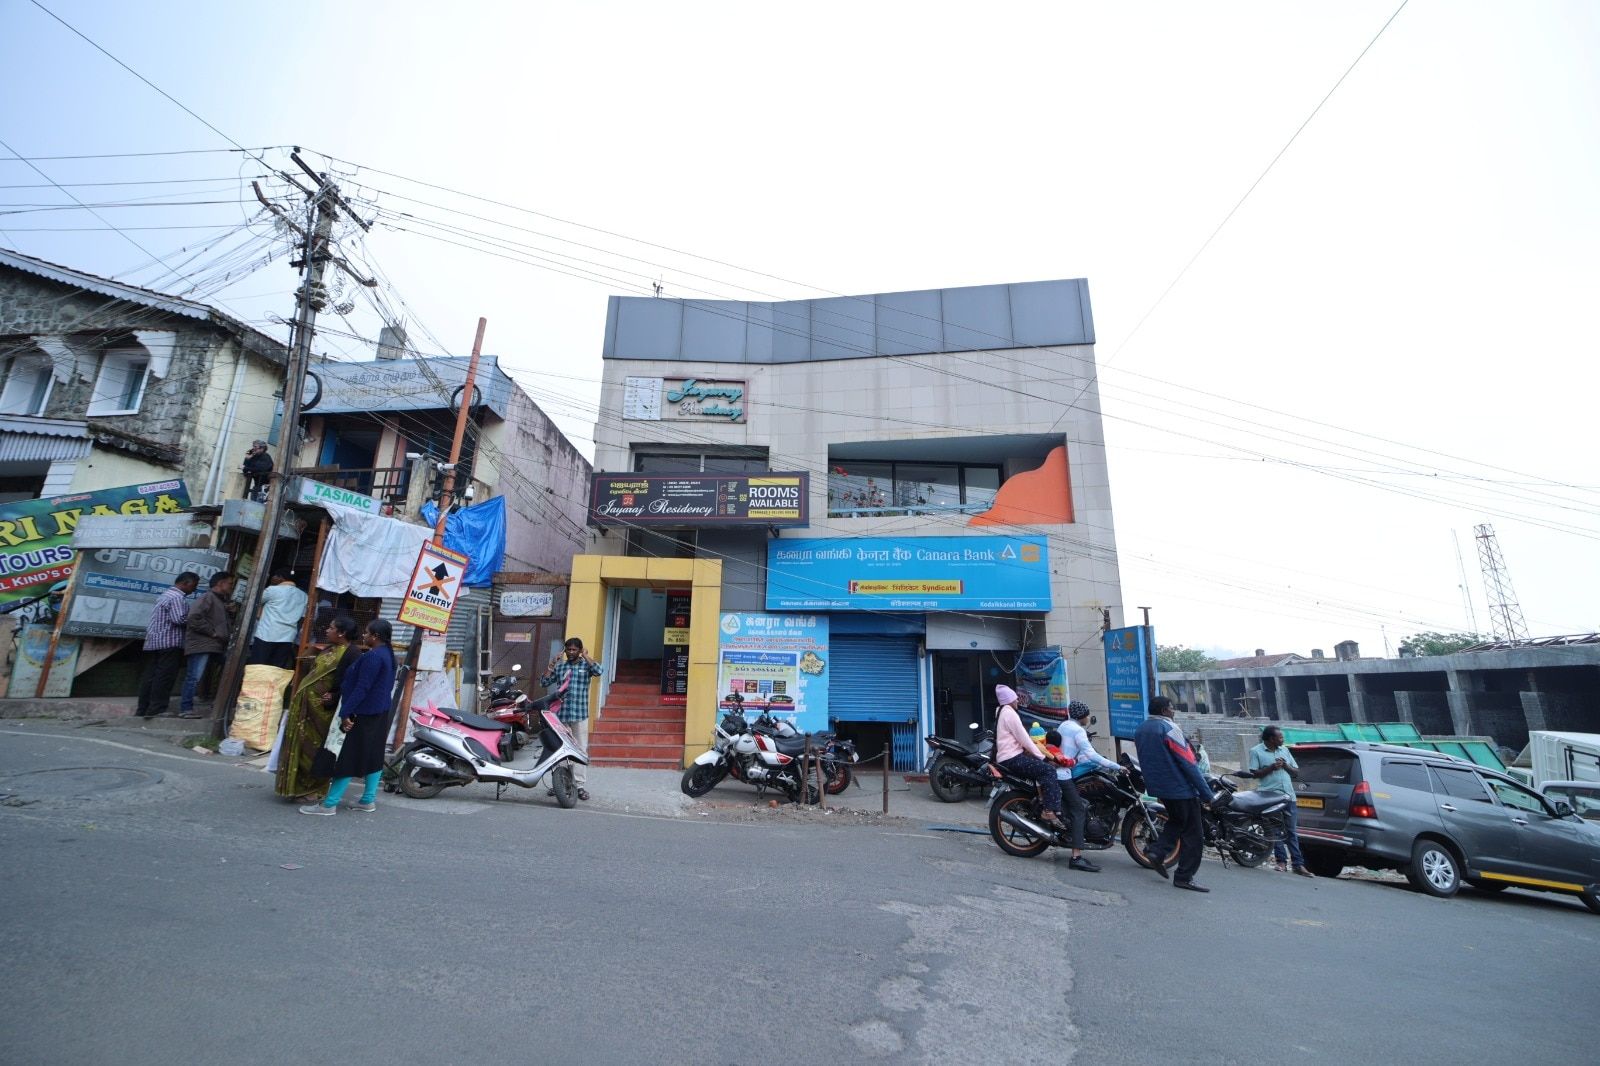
x=446, y=499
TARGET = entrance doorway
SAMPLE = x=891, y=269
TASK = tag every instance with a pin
x=963, y=691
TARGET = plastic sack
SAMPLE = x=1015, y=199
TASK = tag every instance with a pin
x=260, y=706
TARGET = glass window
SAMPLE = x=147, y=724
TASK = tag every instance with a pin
x=1327, y=766
x=855, y=486
x=979, y=485
x=26, y=386
x=666, y=464
x=925, y=485
x=1460, y=784
x=1585, y=799
x=1406, y=775
x=119, y=388
x=1516, y=796
x=734, y=464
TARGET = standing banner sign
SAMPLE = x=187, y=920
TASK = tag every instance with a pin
x=1128, y=678
x=431, y=593
x=1042, y=678
x=675, y=649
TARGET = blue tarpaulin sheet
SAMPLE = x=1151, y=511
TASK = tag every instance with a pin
x=479, y=533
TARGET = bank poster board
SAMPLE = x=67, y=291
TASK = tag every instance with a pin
x=777, y=663
x=431, y=593
x=35, y=536
x=118, y=587
x=909, y=574
x=1042, y=678
x=1129, y=671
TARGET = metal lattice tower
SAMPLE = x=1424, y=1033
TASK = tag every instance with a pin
x=1505, y=613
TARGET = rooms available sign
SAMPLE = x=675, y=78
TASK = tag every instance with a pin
x=766, y=499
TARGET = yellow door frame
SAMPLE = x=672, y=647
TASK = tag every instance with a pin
x=594, y=575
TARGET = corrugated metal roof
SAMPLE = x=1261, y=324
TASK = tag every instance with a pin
x=117, y=290
x=42, y=440
x=44, y=427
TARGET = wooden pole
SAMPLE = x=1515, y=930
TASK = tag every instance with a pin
x=446, y=494
x=55, y=635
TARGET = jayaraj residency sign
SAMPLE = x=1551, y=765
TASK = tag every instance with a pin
x=770, y=498
x=684, y=399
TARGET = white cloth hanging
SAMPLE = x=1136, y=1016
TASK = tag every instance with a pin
x=369, y=555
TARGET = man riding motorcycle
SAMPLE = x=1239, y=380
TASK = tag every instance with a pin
x=1077, y=757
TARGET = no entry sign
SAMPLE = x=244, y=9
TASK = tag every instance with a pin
x=435, y=582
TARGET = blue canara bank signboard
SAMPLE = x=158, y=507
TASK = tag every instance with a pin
x=909, y=574
x=1128, y=678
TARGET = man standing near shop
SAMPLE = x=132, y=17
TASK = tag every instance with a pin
x=257, y=467
x=210, y=619
x=573, y=669
x=283, y=610
x=163, y=645
x=1273, y=765
x=1172, y=776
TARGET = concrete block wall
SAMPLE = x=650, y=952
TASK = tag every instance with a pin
x=1499, y=715
x=1428, y=711
x=1562, y=711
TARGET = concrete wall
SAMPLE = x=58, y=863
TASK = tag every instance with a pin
x=1428, y=711
x=546, y=484
x=1561, y=711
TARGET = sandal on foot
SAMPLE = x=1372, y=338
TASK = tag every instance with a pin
x=583, y=793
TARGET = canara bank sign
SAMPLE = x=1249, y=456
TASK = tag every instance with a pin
x=765, y=499
x=909, y=574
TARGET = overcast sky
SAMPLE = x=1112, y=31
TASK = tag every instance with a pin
x=1391, y=341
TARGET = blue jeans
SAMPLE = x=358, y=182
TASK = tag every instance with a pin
x=194, y=669
x=1290, y=848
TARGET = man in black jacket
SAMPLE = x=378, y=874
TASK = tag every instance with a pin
x=257, y=470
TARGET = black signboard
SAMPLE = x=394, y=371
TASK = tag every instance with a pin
x=675, y=649
x=763, y=499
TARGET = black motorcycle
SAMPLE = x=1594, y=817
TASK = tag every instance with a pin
x=836, y=756
x=957, y=770
x=1114, y=808
x=1240, y=826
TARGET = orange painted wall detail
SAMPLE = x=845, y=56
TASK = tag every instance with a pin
x=1038, y=497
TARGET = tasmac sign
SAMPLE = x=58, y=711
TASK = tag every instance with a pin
x=909, y=574
x=316, y=494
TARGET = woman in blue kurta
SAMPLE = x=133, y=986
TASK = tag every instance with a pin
x=364, y=696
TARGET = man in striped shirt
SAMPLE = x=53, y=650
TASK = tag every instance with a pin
x=163, y=645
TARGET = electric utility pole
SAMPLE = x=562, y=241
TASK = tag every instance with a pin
x=310, y=298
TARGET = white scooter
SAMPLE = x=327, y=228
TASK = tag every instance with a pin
x=451, y=747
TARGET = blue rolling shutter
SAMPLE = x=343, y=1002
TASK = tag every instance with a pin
x=873, y=679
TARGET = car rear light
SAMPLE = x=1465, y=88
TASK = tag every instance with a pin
x=1361, y=802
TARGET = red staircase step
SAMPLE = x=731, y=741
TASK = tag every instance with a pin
x=642, y=764
x=640, y=729
x=641, y=714
x=603, y=751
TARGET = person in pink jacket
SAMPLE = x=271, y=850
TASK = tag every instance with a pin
x=1015, y=750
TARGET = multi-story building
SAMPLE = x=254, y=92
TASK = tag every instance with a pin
x=861, y=510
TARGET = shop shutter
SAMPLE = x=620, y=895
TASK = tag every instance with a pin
x=873, y=679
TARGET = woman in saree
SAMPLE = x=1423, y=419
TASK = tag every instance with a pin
x=311, y=712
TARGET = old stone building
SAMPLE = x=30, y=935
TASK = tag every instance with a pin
x=104, y=384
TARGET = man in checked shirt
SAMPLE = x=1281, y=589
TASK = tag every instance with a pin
x=575, y=668
x=163, y=645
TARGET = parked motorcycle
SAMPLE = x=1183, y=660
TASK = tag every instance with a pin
x=746, y=755
x=1242, y=826
x=508, y=704
x=1114, y=803
x=957, y=770
x=450, y=748
x=837, y=756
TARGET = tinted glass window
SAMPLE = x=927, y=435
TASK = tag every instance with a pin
x=1328, y=767
x=1584, y=799
x=1517, y=797
x=1406, y=775
x=1460, y=784
x=667, y=464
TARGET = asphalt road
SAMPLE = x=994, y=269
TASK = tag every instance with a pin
x=161, y=908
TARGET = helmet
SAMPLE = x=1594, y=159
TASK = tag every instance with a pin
x=1078, y=709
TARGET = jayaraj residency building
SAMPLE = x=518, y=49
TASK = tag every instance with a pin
x=864, y=512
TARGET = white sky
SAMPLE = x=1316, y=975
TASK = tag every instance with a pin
x=1402, y=308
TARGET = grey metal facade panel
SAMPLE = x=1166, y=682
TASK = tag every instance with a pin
x=715, y=330
x=974, y=318
x=910, y=323
x=400, y=385
x=978, y=317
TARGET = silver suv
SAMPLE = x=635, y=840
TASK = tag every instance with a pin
x=1439, y=820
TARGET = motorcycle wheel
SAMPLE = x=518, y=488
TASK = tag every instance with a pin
x=1137, y=837
x=808, y=795
x=561, y=782
x=838, y=779
x=1012, y=840
x=1248, y=845
x=700, y=778
x=419, y=783
x=945, y=786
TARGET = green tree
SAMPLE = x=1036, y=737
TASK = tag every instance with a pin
x=1438, y=643
x=1172, y=658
